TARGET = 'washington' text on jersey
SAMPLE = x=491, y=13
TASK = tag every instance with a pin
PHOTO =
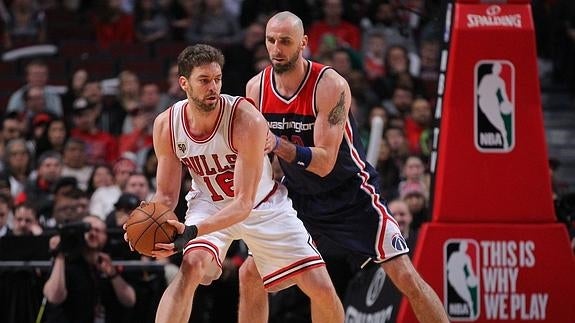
x=298, y=126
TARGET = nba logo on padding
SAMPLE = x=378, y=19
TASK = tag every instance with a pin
x=398, y=242
x=461, y=279
x=494, y=106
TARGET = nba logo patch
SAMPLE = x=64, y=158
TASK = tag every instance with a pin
x=494, y=106
x=461, y=279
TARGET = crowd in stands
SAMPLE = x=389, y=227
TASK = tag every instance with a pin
x=75, y=132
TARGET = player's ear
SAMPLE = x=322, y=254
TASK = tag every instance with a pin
x=304, y=41
x=183, y=83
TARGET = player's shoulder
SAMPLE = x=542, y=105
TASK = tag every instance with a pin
x=330, y=83
x=330, y=78
x=254, y=82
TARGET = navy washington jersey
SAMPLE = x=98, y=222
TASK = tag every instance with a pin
x=293, y=119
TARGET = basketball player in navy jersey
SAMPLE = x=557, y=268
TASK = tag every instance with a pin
x=333, y=188
x=220, y=139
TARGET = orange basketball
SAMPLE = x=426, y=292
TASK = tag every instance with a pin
x=147, y=225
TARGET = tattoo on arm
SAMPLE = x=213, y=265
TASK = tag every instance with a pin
x=337, y=113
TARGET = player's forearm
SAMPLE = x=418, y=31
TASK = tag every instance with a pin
x=168, y=199
x=234, y=213
x=320, y=162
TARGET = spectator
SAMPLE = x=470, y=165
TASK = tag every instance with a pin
x=65, y=185
x=53, y=137
x=149, y=167
x=414, y=173
x=240, y=60
x=21, y=287
x=103, y=199
x=138, y=185
x=399, y=72
x=86, y=287
x=418, y=120
x=112, y=24
x=332, y=31
x=404, y=218
x=74, y=162
x=24, y=24
x=365, y=130
x=174, y=92
x=36, y=129
x=401, y=99
x=4, y=185
x=382, y=17
x=37, y=75
x=127, y=202
x=395, y=137
x=5, y=203
x=75, y=86
x=12, y=128
x=151, y=24
x=413, y=194
x=101, y=146
x=374, y=56
x=388, y=172
x=147, y=109
x=128, y=96
x=34, y=105
x=26, y=220
x=101, y=176
x=429, y=52
x=39, y=188
x=110, y=114
x=70, y=206
x=183, y=14
x=17, y=164
x=214, y=25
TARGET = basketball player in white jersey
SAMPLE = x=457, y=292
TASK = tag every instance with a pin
x=221, y=140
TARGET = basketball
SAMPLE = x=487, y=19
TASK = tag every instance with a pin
x=147, y=225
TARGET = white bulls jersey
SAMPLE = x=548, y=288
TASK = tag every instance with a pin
x=211, y=160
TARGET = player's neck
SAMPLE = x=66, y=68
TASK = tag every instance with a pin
x=201, y=123
x=287, y=83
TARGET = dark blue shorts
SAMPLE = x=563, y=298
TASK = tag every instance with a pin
x=354, y=217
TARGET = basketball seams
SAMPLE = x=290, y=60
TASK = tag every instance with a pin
x=159, y=227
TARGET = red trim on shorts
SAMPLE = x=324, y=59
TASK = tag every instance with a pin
x=384, y=215
x=290, y=276
x=274, y=189
x=302, y=263
x=200, y=244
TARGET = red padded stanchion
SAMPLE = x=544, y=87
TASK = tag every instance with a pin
x=493, y=251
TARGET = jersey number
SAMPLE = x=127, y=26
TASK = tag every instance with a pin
x=226, y=183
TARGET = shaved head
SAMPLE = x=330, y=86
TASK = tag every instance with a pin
x=285, y=41
x=289, y=20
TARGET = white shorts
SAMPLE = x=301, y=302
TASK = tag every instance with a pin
x=281, y=246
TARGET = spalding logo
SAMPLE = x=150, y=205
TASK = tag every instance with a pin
x=398, y=242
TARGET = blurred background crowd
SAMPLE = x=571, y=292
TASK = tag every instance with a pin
x=81, y=82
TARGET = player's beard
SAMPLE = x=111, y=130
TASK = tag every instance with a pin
x=201, y=105
x=280, y=68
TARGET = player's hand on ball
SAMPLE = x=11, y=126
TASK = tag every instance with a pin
x=126, y=237
x=185, y=234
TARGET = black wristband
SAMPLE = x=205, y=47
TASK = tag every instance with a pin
x=190, y=233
